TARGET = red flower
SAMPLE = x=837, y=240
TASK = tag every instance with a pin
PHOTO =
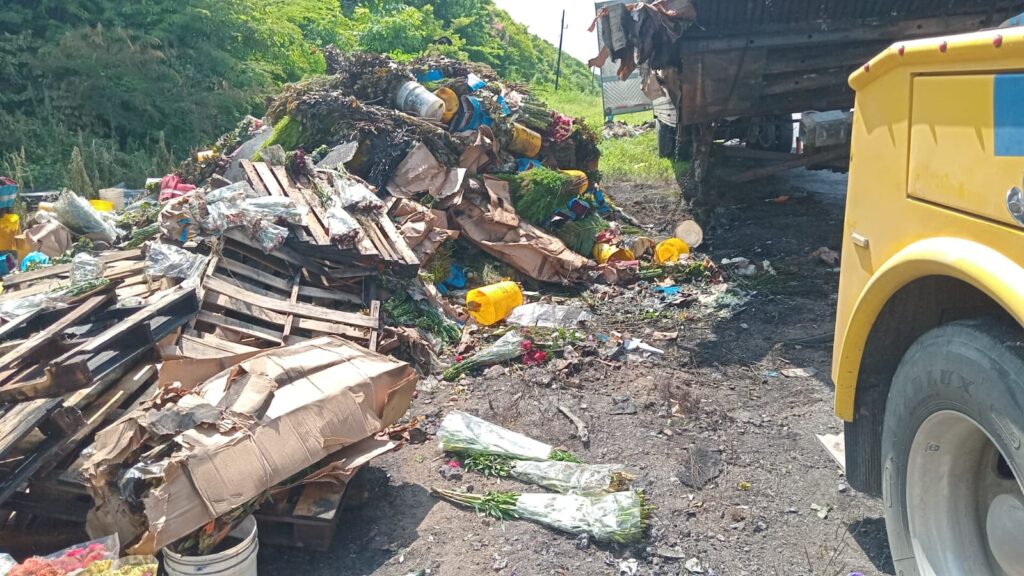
x=527, y=345
x=458, y=358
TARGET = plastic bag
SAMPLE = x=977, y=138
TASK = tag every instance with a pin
x=166, y=261
x=133, y=566
x=268, y=236
x=618, y=517
x=11, y=309
x=6, y=563
x=461, y=432
x=80, y=217
x=238, y=192
x=548, y=315
x=276, y=209
x=507, y=347
x=224, y=206
x=85, y=268
x=573, y=478
x=352, y=194
x=89, y=558
x=344, y=229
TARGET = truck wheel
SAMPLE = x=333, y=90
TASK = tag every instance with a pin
x=666, y=140
x=774, y=134
x=952, y=454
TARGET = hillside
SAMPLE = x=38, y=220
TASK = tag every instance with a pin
x=136, y=86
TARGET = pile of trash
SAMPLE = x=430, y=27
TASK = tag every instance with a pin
x=216, y=346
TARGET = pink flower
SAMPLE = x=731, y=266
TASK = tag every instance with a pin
x=454, y=464
x=459, y=358
x=527, y=345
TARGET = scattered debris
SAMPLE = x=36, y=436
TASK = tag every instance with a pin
x=798, y=372
x=693, y=566
x=822, y=510
x=700, y=466
x=835, y=445
x=581, y=427
x=622, y=405
x=826, y=255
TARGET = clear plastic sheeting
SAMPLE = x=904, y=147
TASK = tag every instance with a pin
x=344, y=229
x=352, y=194
x=614, y=517
x=225, y=209
x=276, y=209
x=166, y=261
x=85, y=268
x=75, y=213
x=461, y=432
x=268, y=236
x=11, y=309
x=548, y=315
x=573, y=478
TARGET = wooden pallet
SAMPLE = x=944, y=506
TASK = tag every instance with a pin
x=305, y=517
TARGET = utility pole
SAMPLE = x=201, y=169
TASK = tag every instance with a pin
x=558, y=68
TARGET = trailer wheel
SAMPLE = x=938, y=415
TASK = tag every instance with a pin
x=952, y=453
x=773, y=133
x=666, y=140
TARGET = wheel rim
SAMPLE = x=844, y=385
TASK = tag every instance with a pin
x=965, y=507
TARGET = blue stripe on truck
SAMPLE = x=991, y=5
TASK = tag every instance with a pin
x=1009, y=114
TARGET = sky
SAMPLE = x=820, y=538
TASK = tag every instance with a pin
x=543, y=17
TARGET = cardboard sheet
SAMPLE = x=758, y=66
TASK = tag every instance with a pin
x=421, y=172
x=281, y=411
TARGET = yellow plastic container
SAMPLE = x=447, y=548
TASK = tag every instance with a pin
x=605, y=253
x=9, y=229
x=581, y=176
x=102, y=205
x=451, y=103
x=670, y=250
x=492, y=304
x=525, y=142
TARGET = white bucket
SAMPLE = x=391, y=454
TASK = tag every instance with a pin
x=113, y=195
x=414, y=99
x=237, y=561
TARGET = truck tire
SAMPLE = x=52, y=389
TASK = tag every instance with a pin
x=666, y=140
x=952, y=453
x=773, y=134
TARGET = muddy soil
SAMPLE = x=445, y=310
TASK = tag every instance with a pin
x=716, y=395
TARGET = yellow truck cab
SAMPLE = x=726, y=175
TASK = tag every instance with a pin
x=929, y=350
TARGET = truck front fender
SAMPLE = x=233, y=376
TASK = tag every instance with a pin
x=988, y=270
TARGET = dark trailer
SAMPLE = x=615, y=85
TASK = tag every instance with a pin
x=746, y=66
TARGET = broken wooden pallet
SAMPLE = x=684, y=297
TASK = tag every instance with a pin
x=305, y=517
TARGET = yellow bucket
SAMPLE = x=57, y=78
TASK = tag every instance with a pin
x=492, y=304
x=670, y=250
x=581, y=176
x=525, y=142
x=102, y=205
x=9, y=229
x=451, y=103
x=605, y=253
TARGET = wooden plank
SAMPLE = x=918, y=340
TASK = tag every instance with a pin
x=18, y=322
x=267, y=176
x=317, y=222
x=253, y=177
x=21, y=420
x=397, y=241
x=17, y=279
x=377, y=239
x=239, y=327
x=374, y=334
x=236, y=267
x=337, y=295
x=248, y=286
x=319, y=500
x=331, y=328
x=300, y=309
x=49, y=507
x=210, y=346
x=293, y=298
x=27, y=350
x=242, y=306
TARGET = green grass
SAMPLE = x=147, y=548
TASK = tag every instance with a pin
x=625, y=159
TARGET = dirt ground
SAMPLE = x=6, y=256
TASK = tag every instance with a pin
x=721, y=375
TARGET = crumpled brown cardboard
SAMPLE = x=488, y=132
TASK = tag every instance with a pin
x=487, y=220
x=420, y=172
x=282, y=410
x=424, y=229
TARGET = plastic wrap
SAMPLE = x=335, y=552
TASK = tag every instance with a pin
x=133, y=566
x=236, y=192
x=276, y=209
x=94, y=557
x=6, y=563
x=463, y=433
x=573, y=478
x=507, y=347
x=352, y=194
x=617, y=517
x=80, y=217
x=268, y=236
x=85, y=268
x=343, y=227
x=166, y=261
x=225, y=208
x=548, y=315
x=11, y=309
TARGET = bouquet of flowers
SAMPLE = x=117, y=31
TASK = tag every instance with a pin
x=466, y=434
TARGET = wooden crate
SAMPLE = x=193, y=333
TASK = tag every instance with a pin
x=307, y=517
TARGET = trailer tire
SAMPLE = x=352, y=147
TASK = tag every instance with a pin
x=666, y=140
x=952, y=452
x=773, y=134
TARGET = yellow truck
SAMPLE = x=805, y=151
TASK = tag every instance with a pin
x=929, y=350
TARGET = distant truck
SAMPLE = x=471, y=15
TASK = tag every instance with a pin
x=746, y=67
x=929, y=342
x=619, y=96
